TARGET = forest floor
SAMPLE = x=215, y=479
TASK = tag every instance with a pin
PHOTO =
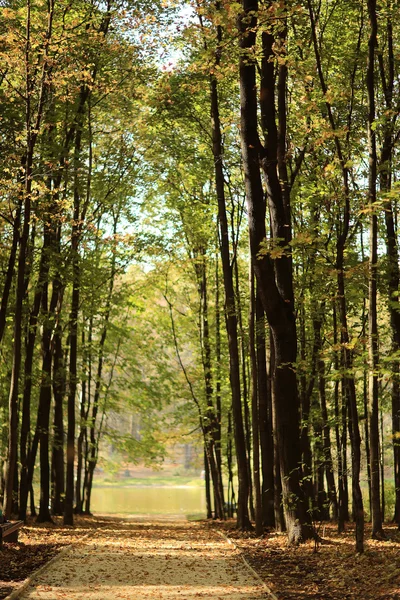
x=139, y=559
x=111, y=557
x=330, y=571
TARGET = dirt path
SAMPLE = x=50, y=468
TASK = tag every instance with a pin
x=137, y=560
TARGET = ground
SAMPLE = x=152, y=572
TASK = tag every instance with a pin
x=331, y=571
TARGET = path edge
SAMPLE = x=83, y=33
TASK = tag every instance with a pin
x=247, y=564
x=31, y=578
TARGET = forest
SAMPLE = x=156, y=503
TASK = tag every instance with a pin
x=199, y=224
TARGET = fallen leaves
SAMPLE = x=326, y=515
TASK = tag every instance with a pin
x=335, y=572
x=125, y=559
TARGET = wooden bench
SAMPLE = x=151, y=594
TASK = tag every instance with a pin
x=9, y=531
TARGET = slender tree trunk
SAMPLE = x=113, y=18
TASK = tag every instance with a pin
x=81, y=437
x=17, y=348
x=265, y=419
x=306, y=395
x=211, y=427
x=231, y=489
x=73, y=337
x=245, y=385
x=44, y=417
x=377, y=530
x=327, y=449
x=79, y=215
x=321, y=508
x=243, y=521
x=26, y=398
x=382, y=468
x=9, y=276
x=218, y=424
x=340, y=439
x=347, y=357
x=57, y=463
x=33, y=125
x=385, y=177
x=255, y=415
x=279, y=513
x=207, y=486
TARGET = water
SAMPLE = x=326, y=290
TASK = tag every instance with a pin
x=150, y=500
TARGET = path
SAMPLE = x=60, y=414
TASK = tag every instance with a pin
x=139, y=560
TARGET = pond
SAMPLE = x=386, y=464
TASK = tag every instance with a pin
x=168, y=500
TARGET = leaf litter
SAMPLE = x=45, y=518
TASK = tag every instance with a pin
x=111, y=557
x=332, y=571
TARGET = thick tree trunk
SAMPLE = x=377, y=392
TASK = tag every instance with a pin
x=274, y=277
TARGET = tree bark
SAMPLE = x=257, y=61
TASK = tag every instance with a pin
x=274, y=277
x=265, y=418
x=10, y=268
x=377, y=531
x=243, y=521
x=255, y=414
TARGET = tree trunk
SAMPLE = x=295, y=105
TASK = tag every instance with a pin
x=207, y=486
x=265, y=418
x=255, y=415
x=274, y=277
x=82, y=432
x=9, y=276
x=385, y=179
x=73, y=336
x=57, y=462
x=218, y=423
x=279, y=513
x=44, y=419
x=17, y=347
x=210, y=424
x=243, y=521
x=377, y=531
x=33, y=125
x=328, y=462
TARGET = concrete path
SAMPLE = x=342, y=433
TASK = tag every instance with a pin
x=140, y=560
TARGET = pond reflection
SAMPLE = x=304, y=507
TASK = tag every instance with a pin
x=149, y=500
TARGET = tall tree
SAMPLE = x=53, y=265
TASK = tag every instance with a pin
x=274, y=277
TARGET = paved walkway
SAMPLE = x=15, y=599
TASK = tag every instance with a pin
x=140, y=560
